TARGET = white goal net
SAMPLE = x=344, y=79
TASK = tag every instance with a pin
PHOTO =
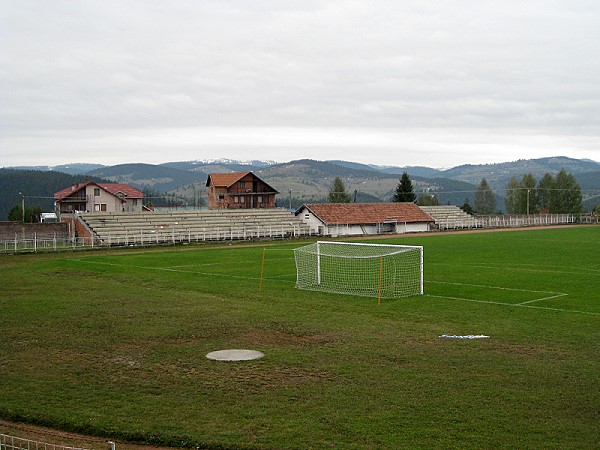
x=370, y=270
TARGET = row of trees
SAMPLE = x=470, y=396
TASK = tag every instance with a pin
x=552, y=194
x=560, y=194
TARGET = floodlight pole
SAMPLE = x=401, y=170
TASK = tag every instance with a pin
x=528, y=191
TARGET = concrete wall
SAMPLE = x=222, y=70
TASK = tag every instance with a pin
x=8, y=230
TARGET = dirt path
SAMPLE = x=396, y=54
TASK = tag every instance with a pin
x=51, y=436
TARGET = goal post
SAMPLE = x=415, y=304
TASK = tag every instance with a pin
x=370, y=270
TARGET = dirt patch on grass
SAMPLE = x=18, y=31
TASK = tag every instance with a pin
x=530, y=351
x=259, y=377
x=289, y=339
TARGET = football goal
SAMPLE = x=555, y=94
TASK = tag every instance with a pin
x=370, y=270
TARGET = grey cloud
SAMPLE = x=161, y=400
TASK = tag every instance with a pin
x=527, y=66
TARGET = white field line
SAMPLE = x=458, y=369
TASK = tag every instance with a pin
x=514, y=305
x=167, y=269
x=500, y=288
x=580, y=271
x=228, y=263
x=542, y=299
x=494, y=287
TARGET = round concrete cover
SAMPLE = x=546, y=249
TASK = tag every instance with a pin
x=235, y=355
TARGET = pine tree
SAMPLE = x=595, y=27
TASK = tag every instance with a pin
x=560, y=194
x=485, y=199
x=566, y=198
x=545, y=191
x=404, y=190
x=466, y=207
x=337, y=193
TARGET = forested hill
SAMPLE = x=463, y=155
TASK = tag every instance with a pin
x=37, y=186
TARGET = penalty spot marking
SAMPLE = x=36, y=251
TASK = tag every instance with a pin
x=467, y=336
x=235, y=355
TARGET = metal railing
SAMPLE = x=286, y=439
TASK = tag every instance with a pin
x=137, y=237
x=528, y=220
x=35, y=245
x=513, y=220
x=8, y=442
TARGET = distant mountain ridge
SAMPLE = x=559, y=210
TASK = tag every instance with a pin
x=307, y=180
x=159, y=178
x=71, y=169
x=499, y=174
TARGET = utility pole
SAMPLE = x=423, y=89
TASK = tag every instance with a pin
x=290, y=199
x=22, y=206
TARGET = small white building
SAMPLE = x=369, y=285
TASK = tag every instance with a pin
x=339, y=219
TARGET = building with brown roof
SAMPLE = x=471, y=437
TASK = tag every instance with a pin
x=239, y=190
x=99, y=197
x=335, y=219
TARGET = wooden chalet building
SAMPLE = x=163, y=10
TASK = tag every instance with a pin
x=239, y=190
x=339, y=219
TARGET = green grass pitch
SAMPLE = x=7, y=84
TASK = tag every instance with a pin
x=113, y=343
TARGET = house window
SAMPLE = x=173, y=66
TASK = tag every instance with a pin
x=242, y=199
x=259, y=199
x=100, y=207
x=236, y=199
x=221, y=196
x=242, y=184
x=96, y=192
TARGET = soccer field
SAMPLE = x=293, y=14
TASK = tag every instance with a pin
x=113, y=343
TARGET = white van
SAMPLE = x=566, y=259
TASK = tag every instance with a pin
x=48, y=218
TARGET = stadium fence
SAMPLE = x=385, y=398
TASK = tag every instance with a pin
x=8, y=442
x=171, y=237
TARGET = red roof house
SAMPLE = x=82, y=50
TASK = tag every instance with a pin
x=239, y=190
x=364, y=218
x=99, y=197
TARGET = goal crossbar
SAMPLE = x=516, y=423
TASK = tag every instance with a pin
x=373, y=270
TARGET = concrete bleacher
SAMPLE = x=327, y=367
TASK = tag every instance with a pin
x=451, y=217
x=187, y=226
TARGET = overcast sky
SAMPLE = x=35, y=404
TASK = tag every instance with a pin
x=433, y=83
